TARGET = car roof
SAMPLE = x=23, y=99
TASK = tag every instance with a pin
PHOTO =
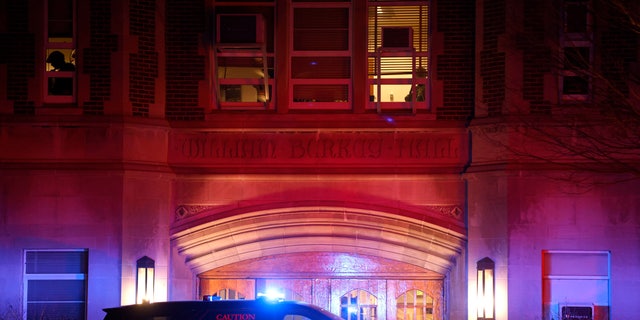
x=185, y=309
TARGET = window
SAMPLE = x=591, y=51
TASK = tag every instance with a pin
x=55, y=283
x=576, y=283
x=358, y=305
x=576, y=52
x=576, y=79
x=229, y=294
x=243, y=55
x=414, y=305
x=60, y=52
x=320, y=55
x=398, y=55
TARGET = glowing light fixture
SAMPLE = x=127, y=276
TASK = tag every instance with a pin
x=272, y=295
x=145, y=280
x=486, y=286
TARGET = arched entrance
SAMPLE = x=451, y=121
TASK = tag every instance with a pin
x=340, y=256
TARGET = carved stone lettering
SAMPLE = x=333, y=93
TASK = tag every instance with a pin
x=341, y=148
x=203, y=147
x=312, y=148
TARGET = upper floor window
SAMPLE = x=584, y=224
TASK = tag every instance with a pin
x=398, y=46
x=320, y=55
x=576, y=51
x=60, y=51
x=312, y=49
x=243, y=55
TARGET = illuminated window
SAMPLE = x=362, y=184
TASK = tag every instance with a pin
x=576, y=51
x=55, y=283
x=414, y=305
x=243, y=55
x=398, y=55
x=60, y=51
x=229, y=294
x=358, y=305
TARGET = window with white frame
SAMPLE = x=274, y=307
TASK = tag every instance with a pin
x=578, y=282
x=576, y=51
x=243, y=54
x=55, y=284
x=60, y=51
x=398, y=54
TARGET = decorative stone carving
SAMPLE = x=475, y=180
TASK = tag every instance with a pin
x=452, y=211
x=182, y=211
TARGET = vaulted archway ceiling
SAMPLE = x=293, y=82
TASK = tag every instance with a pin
x=214, y=239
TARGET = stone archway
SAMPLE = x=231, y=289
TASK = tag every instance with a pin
x=236, y=244
x=425, y=238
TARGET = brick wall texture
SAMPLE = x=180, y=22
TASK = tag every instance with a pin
x=492, y=59
x=97, y=57
x=537, y=56
x=19, y=55
x=96, y=60
x=143, y=65
x=456, y=66
x=185, y=65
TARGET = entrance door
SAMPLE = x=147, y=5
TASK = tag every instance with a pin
x=352, y=299
x=415, y=299
x=361, y=299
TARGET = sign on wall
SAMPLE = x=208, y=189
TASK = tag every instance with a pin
x=355, y=151
x=577, y=313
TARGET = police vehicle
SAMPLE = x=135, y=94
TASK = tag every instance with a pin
x=259, y=309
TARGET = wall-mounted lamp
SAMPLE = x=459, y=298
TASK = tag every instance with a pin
x=145, y=280
x=486, y=286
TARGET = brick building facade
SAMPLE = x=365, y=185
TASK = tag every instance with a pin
x=377, y=155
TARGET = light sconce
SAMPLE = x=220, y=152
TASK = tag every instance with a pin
x=486, y=289
x=145, y=280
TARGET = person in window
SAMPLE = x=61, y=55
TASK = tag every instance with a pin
x=420, y=88
x=60, y=86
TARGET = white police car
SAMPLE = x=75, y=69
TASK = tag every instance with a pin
x=260, y=309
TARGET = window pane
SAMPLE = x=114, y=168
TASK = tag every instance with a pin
x=576, y=58
x=66, y=311
x=575, y=85
x=320, y=67
x=60, y=86
x=415, y=17
x=576, y=17
x=320, y=93
x=56, y=290
x=358, y=305
x=321, y=29
x=414, y=305
x=229, y=24
x=243, y=67
x=56, y=262
x=60, y=20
